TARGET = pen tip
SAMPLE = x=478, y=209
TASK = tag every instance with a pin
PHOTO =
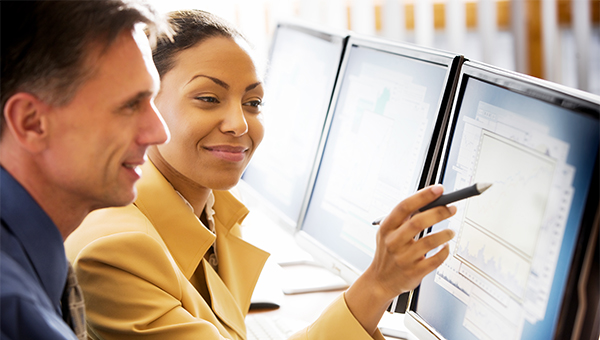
x=481, y=187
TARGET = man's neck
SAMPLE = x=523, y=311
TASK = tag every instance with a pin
x=66, y=213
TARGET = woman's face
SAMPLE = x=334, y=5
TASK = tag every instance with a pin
x=211, y=101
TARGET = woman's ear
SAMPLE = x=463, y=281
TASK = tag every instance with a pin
x=27, y=121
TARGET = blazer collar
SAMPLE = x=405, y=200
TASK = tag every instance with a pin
x=240, y=263
x=186, y=238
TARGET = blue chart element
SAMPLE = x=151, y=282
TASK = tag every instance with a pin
x=509, y=274
x=516, y=246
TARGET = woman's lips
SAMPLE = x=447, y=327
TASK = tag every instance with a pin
x=228, y=152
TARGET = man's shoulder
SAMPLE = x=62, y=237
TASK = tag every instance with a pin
x=17, y=283
x=26, y=310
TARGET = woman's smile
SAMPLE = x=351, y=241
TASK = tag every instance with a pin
x=229, y=153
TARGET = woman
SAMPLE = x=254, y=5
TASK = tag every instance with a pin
x=172, y=265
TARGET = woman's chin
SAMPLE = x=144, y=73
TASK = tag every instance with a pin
x=225, y=184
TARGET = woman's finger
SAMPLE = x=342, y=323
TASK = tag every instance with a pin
x=408, y=206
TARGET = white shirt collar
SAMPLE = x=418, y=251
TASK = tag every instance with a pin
x=208, y=209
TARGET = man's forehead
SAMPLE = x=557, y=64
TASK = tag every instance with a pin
x=122, y=70
x=114, y=50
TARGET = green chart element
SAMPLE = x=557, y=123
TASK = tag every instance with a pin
x=382, y=101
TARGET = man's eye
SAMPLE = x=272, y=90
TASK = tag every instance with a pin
x=132, y=106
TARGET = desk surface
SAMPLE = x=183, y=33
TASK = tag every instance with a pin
x=306, y=306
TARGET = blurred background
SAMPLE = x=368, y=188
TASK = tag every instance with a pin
x=557, y=40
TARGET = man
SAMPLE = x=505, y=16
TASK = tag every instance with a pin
x=78, y=84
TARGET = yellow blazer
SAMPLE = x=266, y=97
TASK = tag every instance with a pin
x=143, y=272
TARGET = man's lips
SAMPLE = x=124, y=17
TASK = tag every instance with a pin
x=134, y=165
x=131, y=165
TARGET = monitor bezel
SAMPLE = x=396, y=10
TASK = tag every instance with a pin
x=452, y=62
x=251, y=197
x=556, y=94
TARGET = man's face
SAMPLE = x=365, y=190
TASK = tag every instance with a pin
x=99, y=140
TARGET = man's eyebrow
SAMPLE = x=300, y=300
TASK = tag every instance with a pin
x=215, y=80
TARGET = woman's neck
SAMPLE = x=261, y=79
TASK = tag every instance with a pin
x=195, y=194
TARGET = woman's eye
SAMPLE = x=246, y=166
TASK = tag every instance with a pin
x=254, y=103
x=208, y=99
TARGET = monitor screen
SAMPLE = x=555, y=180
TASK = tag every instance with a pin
x=507, y=275
x=390, y=100
x=302, y=70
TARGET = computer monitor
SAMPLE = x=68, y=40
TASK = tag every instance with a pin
x=524, y=248
x=301, y=73
x=390, y=105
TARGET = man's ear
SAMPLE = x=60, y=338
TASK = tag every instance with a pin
x=26, y=119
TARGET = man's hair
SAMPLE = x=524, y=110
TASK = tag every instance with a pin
x=45, y=45
x=189, y=27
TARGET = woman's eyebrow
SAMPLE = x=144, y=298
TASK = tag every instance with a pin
x=224, y=84
x=252, y=86
x=215, y=80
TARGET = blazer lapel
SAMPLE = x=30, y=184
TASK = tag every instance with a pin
x=231, y=289
x=223, y=303
x=240, y=263
x=182, y=232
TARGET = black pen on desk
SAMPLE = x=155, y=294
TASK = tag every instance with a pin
x=452, y=197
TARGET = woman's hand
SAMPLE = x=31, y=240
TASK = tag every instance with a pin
x=399, y=263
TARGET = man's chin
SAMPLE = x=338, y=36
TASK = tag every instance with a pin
x=118, y=200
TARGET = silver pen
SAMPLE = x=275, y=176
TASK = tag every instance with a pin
x=452, y=197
